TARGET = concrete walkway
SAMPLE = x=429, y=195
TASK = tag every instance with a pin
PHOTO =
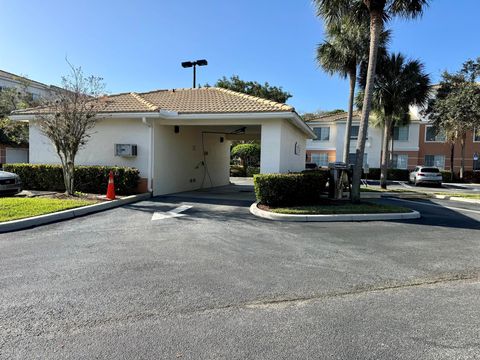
x=240, y=189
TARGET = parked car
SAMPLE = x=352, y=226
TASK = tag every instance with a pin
x=311, y=166
x=10, y=183
x=426, y=175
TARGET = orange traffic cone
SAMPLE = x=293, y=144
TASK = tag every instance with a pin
x=111, y=187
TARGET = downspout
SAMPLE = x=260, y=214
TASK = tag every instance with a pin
x=150, y=154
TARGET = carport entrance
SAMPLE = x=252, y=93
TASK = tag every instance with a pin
x=194, y=153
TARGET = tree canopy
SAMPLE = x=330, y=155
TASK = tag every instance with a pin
x=248, y=153
x=14, y=132
x=254, y=88
x=456, y=107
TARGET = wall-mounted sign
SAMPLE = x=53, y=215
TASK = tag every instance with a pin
x=297, y=149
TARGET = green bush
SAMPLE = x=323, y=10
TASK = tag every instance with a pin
x=392, y=174
x=237, y=170
x=253, y=170
x=88, y=179
x=472, y=176
x=290, y=189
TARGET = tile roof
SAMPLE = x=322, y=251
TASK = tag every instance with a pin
x=334, y=117
x=185, y=101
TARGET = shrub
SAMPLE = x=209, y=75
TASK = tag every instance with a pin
x=392, y=174
x=472, y=176
x=248, y=153
x=253, y=170
x=290, y=189
x=237, y=170
x=88, y=179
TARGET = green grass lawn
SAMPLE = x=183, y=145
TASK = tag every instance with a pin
x=19, y=208
x=341, y=208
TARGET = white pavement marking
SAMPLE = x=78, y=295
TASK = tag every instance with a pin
x=159, y=215
x=436, y=205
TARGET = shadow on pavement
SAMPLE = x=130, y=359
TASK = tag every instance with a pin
x=435, y=214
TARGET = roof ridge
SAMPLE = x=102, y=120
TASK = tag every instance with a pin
x=256, y=98
x=144, y=102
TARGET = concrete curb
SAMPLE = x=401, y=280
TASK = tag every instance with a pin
x=331, y=218
x=26, y=223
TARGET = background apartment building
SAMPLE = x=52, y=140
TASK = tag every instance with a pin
x=413, y=144
x=36, y=91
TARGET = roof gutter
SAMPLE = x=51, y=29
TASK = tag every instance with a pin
x=118, y=115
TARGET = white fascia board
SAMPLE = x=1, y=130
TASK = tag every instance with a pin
x=162, y=114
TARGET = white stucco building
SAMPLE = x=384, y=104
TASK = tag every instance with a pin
x=330, y=131
x=180, y=139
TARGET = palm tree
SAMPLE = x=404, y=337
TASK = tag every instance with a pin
x=379, y=12
x=399, y=84
x=344, y=50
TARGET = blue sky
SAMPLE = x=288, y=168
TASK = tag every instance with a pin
x=138, y=45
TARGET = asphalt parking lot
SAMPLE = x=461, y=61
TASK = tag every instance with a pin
x=210, y=281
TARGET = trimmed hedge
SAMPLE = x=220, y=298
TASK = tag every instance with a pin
x=290, y=189
x=88, y=179
x=392, y=174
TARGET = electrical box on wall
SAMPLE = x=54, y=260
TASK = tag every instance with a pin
x=126, y=150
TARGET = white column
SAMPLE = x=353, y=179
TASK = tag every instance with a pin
x=271, y=147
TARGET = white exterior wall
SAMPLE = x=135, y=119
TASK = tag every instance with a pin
x=412, y=144
x=332, y=143
x=100, y=148
x=291, y=138
x=278, y=148
x=178, y=159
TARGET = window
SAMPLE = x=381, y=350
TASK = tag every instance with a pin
x=435, y=160
x=354, y=132
x=320, y=159
x=432, y=136
x=400, y=161
x=400, y=133
x=322, y=133
x=352, y=158
x=476, y=135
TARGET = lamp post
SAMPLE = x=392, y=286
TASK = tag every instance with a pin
x=188, y=64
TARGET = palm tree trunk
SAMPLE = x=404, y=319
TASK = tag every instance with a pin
x=390, y=164
x=385, y=153
x=462, y=161
x=348, y=125
x=452, y=156
x=376, y=25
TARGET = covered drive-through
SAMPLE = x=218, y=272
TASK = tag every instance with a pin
x=180, y=140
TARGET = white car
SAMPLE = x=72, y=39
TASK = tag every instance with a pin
x=426, y=175
x=10, y=183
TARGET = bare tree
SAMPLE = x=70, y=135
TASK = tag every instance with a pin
x=69, y=116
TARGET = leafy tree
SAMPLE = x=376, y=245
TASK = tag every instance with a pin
x=455, y=109
x=399, y=83
x=249, y=154
x=345, y=48
x=254, y=88
x=379, y=11
x=11, y=99
x=67, y=119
